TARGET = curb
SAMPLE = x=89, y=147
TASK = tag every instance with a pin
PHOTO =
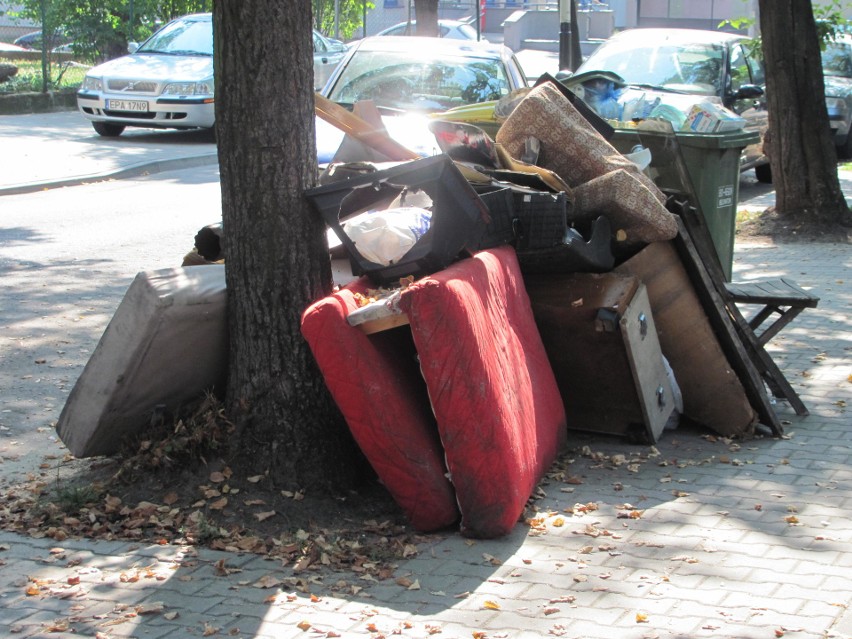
x=19, y=103
x=143, y=168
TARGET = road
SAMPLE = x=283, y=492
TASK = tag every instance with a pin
x=67, y=256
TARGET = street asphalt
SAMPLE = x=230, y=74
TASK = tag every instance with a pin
x=740, y=539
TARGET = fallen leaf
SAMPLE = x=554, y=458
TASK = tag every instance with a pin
x=254, y=479
x=216, y=477
x=641, y=617
x=491, y=559
x=305, y=625
x=491, y=605
x=264, y=515
x=267, y=581
x=219, y=504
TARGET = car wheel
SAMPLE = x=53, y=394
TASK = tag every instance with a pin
x=844, y=151
x=108, y=130
x=763, y=173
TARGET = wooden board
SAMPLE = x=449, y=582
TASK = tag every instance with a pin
x=582, y=318
x=712, y=392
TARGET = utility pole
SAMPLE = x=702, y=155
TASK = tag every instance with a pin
x=565, y=48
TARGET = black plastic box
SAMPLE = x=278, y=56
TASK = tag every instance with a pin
x=540, y=219
x=501, y=208
x=458, y=214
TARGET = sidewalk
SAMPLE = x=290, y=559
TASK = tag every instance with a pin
x=42, y=150
x=695, y=537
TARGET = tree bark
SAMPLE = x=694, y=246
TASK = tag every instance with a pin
x=276, y=255
x=800, y=146
x=426, y=14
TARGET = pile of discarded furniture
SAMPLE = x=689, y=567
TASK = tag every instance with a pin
x=555, y=286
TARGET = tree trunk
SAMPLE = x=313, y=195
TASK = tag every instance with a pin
x=426, y=14
x=276, y=255
x=800, y=146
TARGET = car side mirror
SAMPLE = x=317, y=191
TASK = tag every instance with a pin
x=748, y=92
x=132, y=47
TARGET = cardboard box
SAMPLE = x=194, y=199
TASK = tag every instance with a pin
x=706, y=117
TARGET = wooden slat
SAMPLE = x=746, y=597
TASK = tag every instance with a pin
x=361, y=130
x=781, y=292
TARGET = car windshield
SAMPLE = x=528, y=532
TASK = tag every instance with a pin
x=837, y=60
x=405, y=80
x=688, y=68
x=181, y=37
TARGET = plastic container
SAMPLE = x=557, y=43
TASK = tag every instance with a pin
x=458, y=214
x=713, y=166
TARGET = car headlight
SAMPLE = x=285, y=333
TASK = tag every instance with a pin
x=189, y=88
x=91, y=83
x=836, y=107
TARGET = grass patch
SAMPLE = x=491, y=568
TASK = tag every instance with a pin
x=65, y=75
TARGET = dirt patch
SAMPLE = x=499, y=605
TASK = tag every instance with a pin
x=768, y=225
x=176, y=487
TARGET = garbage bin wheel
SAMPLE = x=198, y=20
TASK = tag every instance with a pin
x=763, y=173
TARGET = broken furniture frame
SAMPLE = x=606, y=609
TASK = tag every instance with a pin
x=743, y=346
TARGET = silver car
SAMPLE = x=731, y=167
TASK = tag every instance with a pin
x=837, y=76
x=167, y=82
x=681, y=67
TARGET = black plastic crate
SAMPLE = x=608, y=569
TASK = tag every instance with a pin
x=501, y=208
x=540, y=219
x=458, y=214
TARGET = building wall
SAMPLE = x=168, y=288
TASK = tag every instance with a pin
x=12, y=28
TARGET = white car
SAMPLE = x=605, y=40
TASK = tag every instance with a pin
x=407, y=78
x=453, y=29
x=167, y=81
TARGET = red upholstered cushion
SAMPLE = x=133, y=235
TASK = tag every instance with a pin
x=377, y=386
x=500, y=415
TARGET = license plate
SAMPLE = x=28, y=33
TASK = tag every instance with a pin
x=126, y=105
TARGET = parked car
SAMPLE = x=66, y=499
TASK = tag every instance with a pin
x=34, y=40
x=407, y=77
x=5, y=47
x=167, y=81
x=837, y=77
x=453, y=29
x=682, y=67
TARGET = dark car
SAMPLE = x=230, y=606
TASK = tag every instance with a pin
x=678, y=68
x=837, y=76
x=34, y=40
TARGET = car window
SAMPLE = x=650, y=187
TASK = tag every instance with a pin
x=407, y=81
x=691, y=68
x=319, y=45
x=740, y=72
x=837, y=60
x=181, y=37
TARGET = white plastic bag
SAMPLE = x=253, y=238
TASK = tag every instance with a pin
x=385, y=236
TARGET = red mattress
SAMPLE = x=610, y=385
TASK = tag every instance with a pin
x=376, y=384
x=496, y=414
x=500, y=415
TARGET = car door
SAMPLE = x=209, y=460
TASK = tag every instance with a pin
x=744, y=95
x=327, y=54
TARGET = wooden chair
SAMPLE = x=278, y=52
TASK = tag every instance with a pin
x=779, y=296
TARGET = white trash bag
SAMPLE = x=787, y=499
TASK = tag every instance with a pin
x=385, y=236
